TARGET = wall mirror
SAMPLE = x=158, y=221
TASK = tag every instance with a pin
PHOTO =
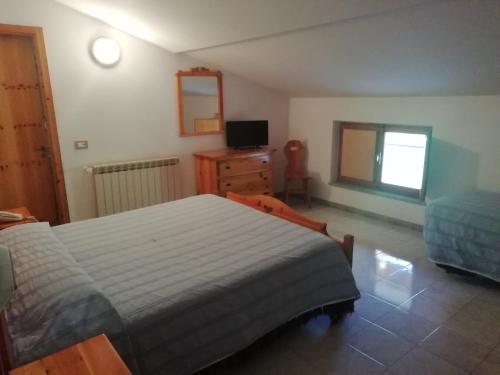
x=199, y=94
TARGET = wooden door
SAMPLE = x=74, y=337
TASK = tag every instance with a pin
x=26, y=165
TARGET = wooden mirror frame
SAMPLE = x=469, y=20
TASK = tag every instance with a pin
x=199, y=72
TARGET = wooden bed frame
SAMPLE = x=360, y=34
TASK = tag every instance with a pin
x=5, y=364
x=275, y=207
x=269, y=205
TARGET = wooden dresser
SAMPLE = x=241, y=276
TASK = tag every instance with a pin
x=246, y=172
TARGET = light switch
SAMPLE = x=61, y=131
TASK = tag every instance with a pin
x=81, y=145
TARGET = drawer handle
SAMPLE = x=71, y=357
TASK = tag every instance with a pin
x=228, y=184
x=264, y=161
x=265, y=178
x=228, y=167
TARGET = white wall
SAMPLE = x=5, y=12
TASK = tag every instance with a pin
x=129, y=111
x=465, y=150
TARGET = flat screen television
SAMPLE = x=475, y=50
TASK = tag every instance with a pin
x=245, y=134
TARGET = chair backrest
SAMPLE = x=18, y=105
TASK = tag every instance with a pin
x=295, y=154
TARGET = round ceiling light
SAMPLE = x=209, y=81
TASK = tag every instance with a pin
x=106, y=51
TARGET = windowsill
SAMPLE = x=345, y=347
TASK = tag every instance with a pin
x=380, y=193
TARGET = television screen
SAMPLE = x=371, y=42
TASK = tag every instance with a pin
x=246, y=133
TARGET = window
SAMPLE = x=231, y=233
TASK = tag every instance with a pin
x=381, y=157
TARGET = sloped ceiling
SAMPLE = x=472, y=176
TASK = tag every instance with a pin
x=326, y=47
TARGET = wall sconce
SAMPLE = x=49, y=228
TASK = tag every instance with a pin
x=105, y=51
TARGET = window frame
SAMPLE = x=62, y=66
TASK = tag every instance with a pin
x=377, y=185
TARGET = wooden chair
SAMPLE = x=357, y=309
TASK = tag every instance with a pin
x=295, y=171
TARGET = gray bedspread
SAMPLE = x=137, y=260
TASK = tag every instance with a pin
x=463, y=231
x=195, y=280
x=56, y=303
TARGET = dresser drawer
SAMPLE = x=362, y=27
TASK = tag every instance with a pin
x=262, y=191
x=253, y=181
x=252, y=189
x=244, y=165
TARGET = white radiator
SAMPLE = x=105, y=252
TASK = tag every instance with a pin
x=125, y=186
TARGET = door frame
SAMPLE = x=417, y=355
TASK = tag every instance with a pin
x=36, y=35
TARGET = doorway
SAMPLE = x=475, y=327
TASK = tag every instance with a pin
x=31, y=172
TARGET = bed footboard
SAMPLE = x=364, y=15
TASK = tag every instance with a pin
x=347, y=245
x=273, y=206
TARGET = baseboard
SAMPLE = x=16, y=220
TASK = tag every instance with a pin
x=359, y=211
x=370, y=214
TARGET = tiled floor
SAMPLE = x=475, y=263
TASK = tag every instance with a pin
x=413, y=318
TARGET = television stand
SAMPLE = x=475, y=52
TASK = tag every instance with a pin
x=242, y=171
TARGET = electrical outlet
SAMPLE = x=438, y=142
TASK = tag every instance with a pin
x=81, y=145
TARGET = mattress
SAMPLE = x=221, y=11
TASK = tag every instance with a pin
x=463, y=231
x=182, y=284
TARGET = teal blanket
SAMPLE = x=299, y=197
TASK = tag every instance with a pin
x=463, y=231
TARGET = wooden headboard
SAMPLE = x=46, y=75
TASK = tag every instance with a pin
x=275, y=207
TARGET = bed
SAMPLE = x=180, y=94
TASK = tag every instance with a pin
x=463, y=232
x=176, y=286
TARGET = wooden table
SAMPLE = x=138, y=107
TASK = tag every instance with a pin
x=27, y=217
x=95, y=356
